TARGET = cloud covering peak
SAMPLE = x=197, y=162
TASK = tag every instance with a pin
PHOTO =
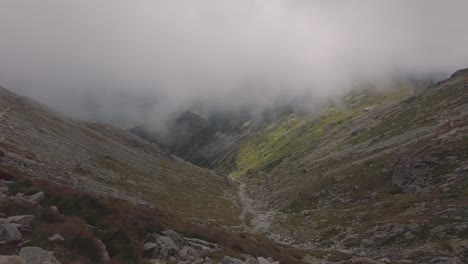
x=216, y=52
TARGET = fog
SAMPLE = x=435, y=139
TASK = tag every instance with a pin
x=140, y=59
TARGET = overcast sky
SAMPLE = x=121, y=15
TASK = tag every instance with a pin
x=219, y=52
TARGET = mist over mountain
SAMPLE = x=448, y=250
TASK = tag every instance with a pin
x=230, y=132
x=147, y=60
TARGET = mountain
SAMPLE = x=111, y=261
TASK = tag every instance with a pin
x=100, y=159
x=380, y=174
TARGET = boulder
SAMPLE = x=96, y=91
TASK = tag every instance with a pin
x=35, y=198
x=149, y=246
x=229, y=260
x=103, y=250
x=9, y=233
x=37, y=255
x=176, y=238
x=12, y=260
x=24, y=220
x=56, y=238
x=250, y=260
x=167, y=243
x=183, y=253
x=262, y=260
x=172, y=260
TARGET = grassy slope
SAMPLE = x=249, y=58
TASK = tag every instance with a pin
x=296, y=135
x=340, y=165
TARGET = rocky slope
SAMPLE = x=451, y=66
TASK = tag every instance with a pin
x=100, y=159
x=375, y=178
x=79, y=192
x=380, y=178
x=377, y=174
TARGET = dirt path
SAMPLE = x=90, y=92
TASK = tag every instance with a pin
x=254, y=220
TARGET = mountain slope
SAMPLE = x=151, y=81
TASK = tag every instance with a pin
x=386, y=179
x=380, y=174
x=103, y=160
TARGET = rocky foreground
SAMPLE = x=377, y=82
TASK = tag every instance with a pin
x=21, y=240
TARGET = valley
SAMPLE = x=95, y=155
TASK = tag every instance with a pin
x=377, y=177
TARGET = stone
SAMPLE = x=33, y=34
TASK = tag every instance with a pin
x=35, y=198
x=262, y=260
x=229, y=260
x=103, y=250
x=172, y=260
x=155, y=253
x=56, y=238
x=38, y=255
x=176, y=238
x=163, y=253
x=351, y=241
x=9, y=233
x=183, y=254
x=24, y=220
x=12, y=260
x=250, y=260
x=201, y=245
x=166, y=242
x=149, y=246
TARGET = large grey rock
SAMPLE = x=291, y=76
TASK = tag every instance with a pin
x=229, y=260
x=9, y=233
x=24, y=220
x=37, y=255
x=176, y=238
x=12, y=260
x=35, y=198
x=149, y=246
x=166, y=242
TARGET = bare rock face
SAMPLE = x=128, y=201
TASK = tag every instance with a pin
x=37, y=255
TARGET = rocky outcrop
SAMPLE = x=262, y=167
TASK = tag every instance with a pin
x=170, y=246
x=34, y=255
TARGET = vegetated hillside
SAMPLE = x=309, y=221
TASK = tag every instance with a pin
x=100, y=159
x=382, y=176
x=212, y=141
x=82, y=192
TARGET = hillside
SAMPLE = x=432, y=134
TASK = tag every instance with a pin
x=100, y=159
x=377, y=177
x=381, y=174
x=386, y=179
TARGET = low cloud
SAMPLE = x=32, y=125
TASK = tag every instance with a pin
x=141, y=60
